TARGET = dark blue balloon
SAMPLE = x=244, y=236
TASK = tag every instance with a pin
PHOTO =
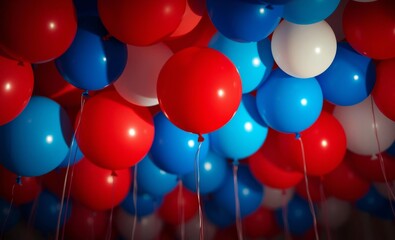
x=371, y=202
x=391, y=149
x=298, y=216
x=36, y=142
x=73, y=156
x=12, y=215
x=212, y=174
x=250, y=193
x=244, y=21
x=250, y=104
x=349, y=79
x=153, y=180
x=385, y=212
x=145, y=204
x=217, y=215
x=174, y=150
x=92, y=62
x=86, y=7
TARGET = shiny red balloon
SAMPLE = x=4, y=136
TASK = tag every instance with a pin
x=324, y=146
x=114, y=133
x=315, y=184
x=175, y=203
x=370, y=168
x=369, y=27
x=16, y=87
x=384, y=89
x=97, y=188
x=37, y=31
x=188, y=22
x=141, y=23
x=199, y=89
x=260, y=224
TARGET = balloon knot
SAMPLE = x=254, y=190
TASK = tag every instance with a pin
x=200, y=138
x=19, y=180
x=85, y=94
x=374, y=157
x=114, y=174
x=106, y=37
x=297, y=136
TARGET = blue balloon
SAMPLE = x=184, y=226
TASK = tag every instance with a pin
x=288, y=104
x=349, y=79
x=92, y=62
x=298, y=216
x=241, y=137
x=12, y=215
x=391, y=149
x=252, y=108
x=244, y=21
x=212, y=174
x=309, y=11
x=372, y=201
x=174, y=150
x=36, y=142
x=153, y=180
x=253, y=67
x=385, y=212
x=73, y=156
x=217, y=215
x=145, y=204
x=250, y=193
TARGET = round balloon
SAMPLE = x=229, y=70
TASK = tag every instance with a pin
x=217, y=215
x=145, y=204
x=371, y=202
x=261, y=223
x=190, y=19
x=309, y=11
x=370, y=167
x=73, y=156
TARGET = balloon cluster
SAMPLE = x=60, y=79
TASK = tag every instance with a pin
x=116, y=107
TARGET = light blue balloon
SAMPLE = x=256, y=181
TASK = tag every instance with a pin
x=73, y=156
x=288, y=104
x=37, y=141
x=153, y=180
x=241, y=137
x=173, y=149
x=253, y=67
x=349, y=79
x=309, y=11
x=213, y=172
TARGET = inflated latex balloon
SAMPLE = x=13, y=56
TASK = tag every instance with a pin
x=16, y=87
x=137, y=83
x=371, y=202
x=276, y=198
x=334, y=213
x=141, y=23
x=73, y=156
x=244, y=21
x=370, y=167
x=189, y=20
x=288, y=104
x=145, y=204
x=147, y=228
x=361, y=126
x=303, y=51
x=37, y=31
x=309, y=11
x=315, y=186
x=217, y=214
x=261, y=223
x=36, y=142
x=349, y=79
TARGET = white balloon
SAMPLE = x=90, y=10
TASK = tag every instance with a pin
x=276, y=198
x=304, y=51
x=192, y=229
x=334, y=213
x=358, y=123
x=137, y=83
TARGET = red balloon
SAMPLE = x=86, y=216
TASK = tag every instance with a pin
x=261, y=223
x=54, y=181
x=171, y=209
x=384, y=89
x=26, y=192
x=324, y=146
x=345, y=183
x=199, y=89
x=370, y=168
x=369, y=27
x=37, y=31
x=97, y=188
x=189, y=21
x=16, y=87
x=114, y=133
x=315, y=184
x=141, y=23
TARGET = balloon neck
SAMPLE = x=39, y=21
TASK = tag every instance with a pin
x=19, y=180
x=85, y=94
x=200, y=138
x=106, y=37
x=114, y=174
x=297, y=136
x=374, y=157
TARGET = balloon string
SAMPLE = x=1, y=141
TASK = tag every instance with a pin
x=182, y=206
x=239, y=226
x=134, y=201
x=83, y=97
x=307, y=188
x=325, y=211
x=285, y=214
x=390, y=193
x=109, y=228
x=8, y=211
x=32, y=213
x=197, y=180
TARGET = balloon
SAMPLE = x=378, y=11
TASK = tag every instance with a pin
x=334, y=213
x=145, y=204
x=11, y=215
x=261, y=223
x=250, y=193
x=289, y=104
x=253, y=66
x=304, y=51
x=298, y=216
x=199, y=89
x=217, y=215
x=384, y=89
x=134, y=18
x=22, y=193
x=276, y=198
x=309, y=11
x=316, y=191
x=88, y=51
x=244, y=21
x=98, y=188
x=137, y=83
x=73, y=156
x=241, y=137
x=37, y=31
x=176, y=202
x=212, y=173
x=192, y=229
x=361, y=122
x=350, y=78
x=370, y=168
x=174, y=150
x=147, y=228
x=250, y=104
x=189, y=21
x=371, y=202
x=361, y=32
x=16, y=87
x=391, y=150
x=113, y=133
x=36, y=142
